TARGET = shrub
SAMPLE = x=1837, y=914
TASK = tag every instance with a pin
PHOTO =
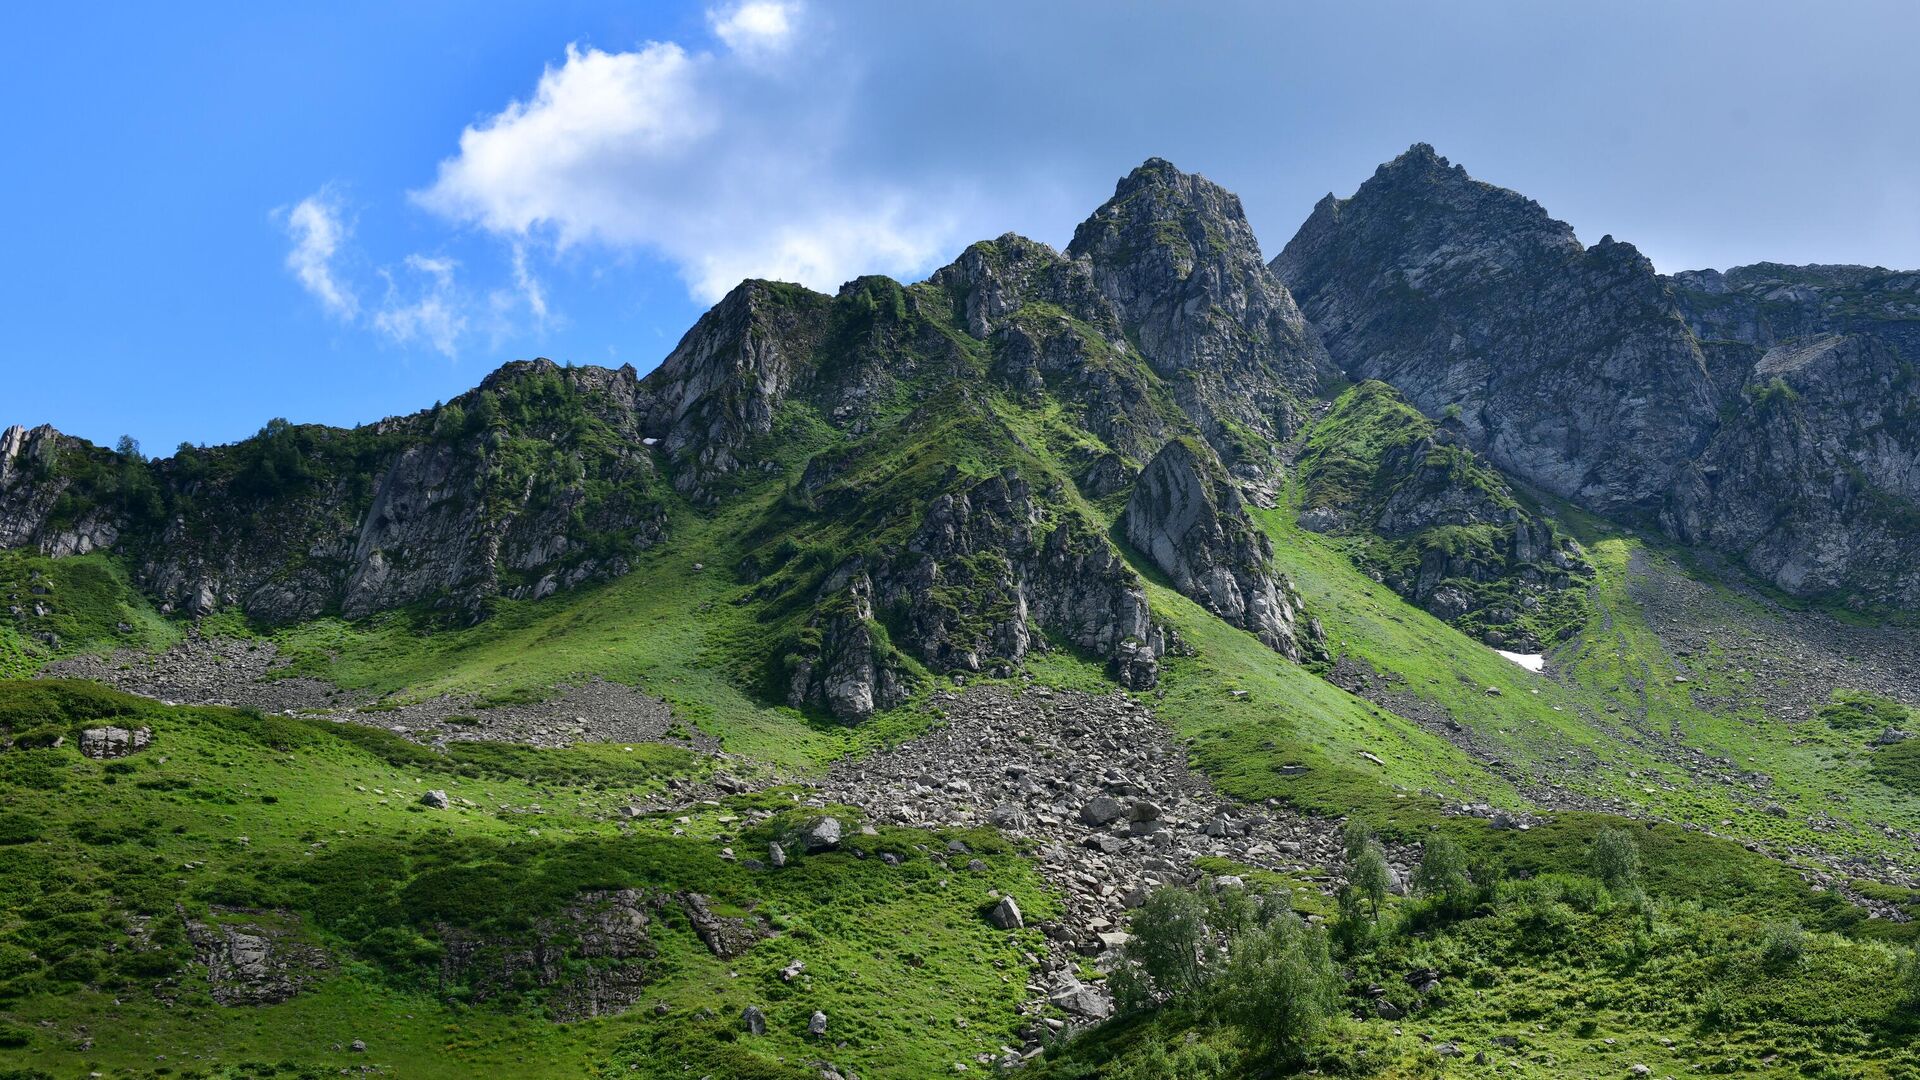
x=1616, y=858
x=1371, y=877
x=1279, y=987
x=1782, y=944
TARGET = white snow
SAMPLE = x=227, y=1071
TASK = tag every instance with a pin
x=1530, y=661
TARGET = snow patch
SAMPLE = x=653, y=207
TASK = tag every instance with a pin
x=1530, y=661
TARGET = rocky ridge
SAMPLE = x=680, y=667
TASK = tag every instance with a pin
x=1737, y=430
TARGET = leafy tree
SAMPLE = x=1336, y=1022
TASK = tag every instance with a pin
x=1355, y=836
x=1169, y=944
x=1279, y=987
x=1371, y=877
x=128, y=447
x=1616, y=858
x=1442, y=874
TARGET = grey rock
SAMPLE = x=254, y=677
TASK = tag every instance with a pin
x=1187, y=517
x=114, y=742
x=1005, y=915
x=435, y=800
x=753, y=1020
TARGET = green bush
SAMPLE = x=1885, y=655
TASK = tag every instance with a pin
x=1616, y=858
x=1279, y=987
x=1167, y=950
x=1783, y=944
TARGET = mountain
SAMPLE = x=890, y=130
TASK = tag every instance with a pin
x=1582, y=372
x=1444, y=645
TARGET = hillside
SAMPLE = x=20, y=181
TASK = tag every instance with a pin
x=1471, y=651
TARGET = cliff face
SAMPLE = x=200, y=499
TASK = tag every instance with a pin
x=1186, y=517
x=1566, y=365
x=1581, y=372
x=1175, y=255
x=1815, y=480
x=535, y=481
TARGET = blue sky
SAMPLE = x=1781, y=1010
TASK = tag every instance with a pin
x=220, y=213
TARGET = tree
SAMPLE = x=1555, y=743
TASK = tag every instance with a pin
x=1616, y=858
x=1169, y=943
x=128, y=447
x=1279, y=987
x=1371, y=877
x=1442, y=874
x=1355, y=836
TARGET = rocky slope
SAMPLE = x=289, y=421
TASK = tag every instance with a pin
x=1174, y=253
x=1702, y=404
x=537, y=480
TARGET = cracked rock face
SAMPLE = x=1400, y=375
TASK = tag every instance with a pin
x=1187, y=518
x=1815, y=483
x=1175, y=255
x=1464, y=294
x=114, y=742
x=251, y=963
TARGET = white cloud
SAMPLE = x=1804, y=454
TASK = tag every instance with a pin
x=435, y=312
x=726, y=167
x=318, y=232
x=756, y=27
x=529, y=286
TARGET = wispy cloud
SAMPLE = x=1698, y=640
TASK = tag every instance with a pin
x=721, y=163
x=427, y=308
x=530, y=288
x=318, y=231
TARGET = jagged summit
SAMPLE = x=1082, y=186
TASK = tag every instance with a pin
x=1174, y=253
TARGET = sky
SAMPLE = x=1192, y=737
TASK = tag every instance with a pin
x=218, y=213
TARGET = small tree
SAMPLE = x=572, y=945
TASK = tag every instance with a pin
x=128, y=447
x=1371, y=877
x=1616, y=858
x=1279, y=987
x=1442, y=874
x=1355, y=836
x=1169, y=943
x=1783, y=944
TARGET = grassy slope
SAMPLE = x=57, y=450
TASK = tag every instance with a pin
x=324, y=822
x=87, y=599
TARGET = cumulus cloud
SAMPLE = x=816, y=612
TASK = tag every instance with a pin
x=318, y=231
x=726, y=166
x=428, y=308
x=757, y=27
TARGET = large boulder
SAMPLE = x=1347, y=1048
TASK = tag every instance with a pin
x=1187, y=518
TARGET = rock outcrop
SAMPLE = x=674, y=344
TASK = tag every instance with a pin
x=1438, y=524
x=1566, y=365
x=1186, y=517
x=989, y=574
x=533, y=482
x=591, y=960
x=1175, y=255
x=255, y=958
x=1656, y=401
